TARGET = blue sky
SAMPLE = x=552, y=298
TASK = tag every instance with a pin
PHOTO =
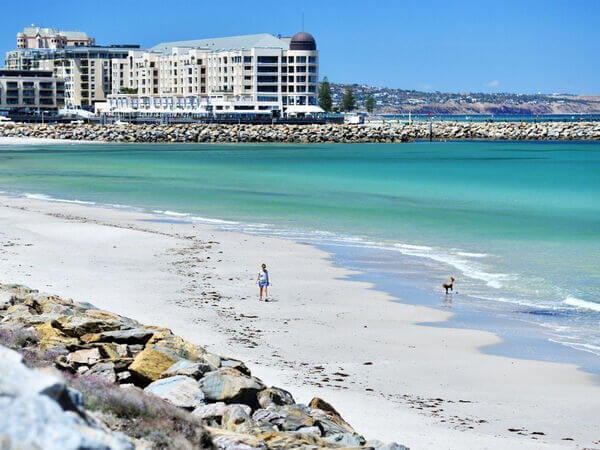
x=485, y=46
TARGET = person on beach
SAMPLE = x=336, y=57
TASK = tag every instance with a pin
x=263, y=281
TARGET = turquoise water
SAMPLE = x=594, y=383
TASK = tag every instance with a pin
x=517, y=223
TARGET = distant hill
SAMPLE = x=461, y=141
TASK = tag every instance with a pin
x=401, y=101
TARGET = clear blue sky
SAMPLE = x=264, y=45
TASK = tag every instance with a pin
x=490, y=46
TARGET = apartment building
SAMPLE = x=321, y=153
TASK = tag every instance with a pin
x=250, y=74
x=31, y=90
x=86, y=70
x=39, y=37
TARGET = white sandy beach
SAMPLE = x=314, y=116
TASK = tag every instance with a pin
x=394, y=380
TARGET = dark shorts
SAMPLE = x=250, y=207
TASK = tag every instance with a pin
x=263, y=283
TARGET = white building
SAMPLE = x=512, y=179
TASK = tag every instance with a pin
x=253, y=74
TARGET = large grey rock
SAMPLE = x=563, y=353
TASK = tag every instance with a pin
x=179, y=390
x=187, y=368
x=38, y=411
x=104, y=371
x=231, y=386
x=275, y=397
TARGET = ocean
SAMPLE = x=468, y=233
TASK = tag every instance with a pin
x=516, y=223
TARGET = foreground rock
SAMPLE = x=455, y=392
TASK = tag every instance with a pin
x=373, y=132
x=40, y=411
x=129, y=371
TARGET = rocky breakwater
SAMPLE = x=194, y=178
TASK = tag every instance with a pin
x=106, y=381
x=387, y=132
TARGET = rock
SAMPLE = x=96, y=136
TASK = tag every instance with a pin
x=86, y=356
x=187, y=368
x=78, y=325
x=345, y=440
x=275, y=397
x=378, y=445
x=104, y=371
x=133, y=336
x=285, y=440
x=215, y=411
x=218, y=361
x=223, y=439
x=39, y=411
x=51, y=337
x=179, y=390
x=231, y=386
x=286, y=418
x=329, y=411
x=235, y=415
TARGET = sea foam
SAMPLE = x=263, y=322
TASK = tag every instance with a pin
x=584, y=304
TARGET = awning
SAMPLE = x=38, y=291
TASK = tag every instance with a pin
x=306, y=109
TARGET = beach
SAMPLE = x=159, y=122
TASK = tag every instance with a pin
x=321, y=333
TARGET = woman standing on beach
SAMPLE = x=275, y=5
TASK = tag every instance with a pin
x=263, y=281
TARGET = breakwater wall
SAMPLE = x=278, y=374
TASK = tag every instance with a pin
x=387, y=132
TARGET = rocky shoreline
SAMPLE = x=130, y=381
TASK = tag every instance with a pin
x=343, y=133
x=73, y=376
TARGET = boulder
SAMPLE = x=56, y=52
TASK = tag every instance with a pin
x=132, y=336
x=224, y=439
x=85, y=356
x=277, y=440
x=187, y=368
x=218, y=361
x=329, y=411
x=285, y=418
x=52, y=337
x=179, y=390
x=231, y=386
x=78, y=325
x=275, y=397
x=104, y=371
x=215, y=411
x=235, y=415
x=161, y=352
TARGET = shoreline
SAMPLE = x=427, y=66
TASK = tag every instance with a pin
x=280, y=327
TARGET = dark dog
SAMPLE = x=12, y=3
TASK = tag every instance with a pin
x=449, y=285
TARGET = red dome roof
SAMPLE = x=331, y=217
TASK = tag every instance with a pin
x=303, y=41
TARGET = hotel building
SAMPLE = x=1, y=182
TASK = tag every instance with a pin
x=86, y=70
x=252, y=74
x=30, y=90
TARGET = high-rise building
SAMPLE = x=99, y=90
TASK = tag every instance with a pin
x=86, y=69
x=258, y=73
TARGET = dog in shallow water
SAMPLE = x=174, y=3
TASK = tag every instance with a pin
x=449, y=285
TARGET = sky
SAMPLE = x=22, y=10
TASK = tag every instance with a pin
x=521, y=46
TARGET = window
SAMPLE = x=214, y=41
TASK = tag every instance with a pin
x=267, y=69
x=267, y=88
x=247, y=67
x=267, y=59
x=267, y=79
x=291, y=69
x=265, y=98
x=312, y=69
x=301, y=79
x=247, y=59
x=301, y=69
x=312, y=79
x=247, y=77
x=312, y=59
x=290, y=59
x=247, y=87
x=301, y=59
x=301, y=89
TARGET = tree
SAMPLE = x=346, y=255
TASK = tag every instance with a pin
x=325, y=95
x=370, y=103
x=348, y=100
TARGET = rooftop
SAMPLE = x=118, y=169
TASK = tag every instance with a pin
x=246, y=42
x=42, y=31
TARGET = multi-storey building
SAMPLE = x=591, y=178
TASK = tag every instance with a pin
x=38, y=37
x=85, y=69
x=32, y=90
x=257, y=73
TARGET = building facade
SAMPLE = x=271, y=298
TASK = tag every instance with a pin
x=31, y=90
x=234, y=75
x=86, y=70
x=39, y=37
